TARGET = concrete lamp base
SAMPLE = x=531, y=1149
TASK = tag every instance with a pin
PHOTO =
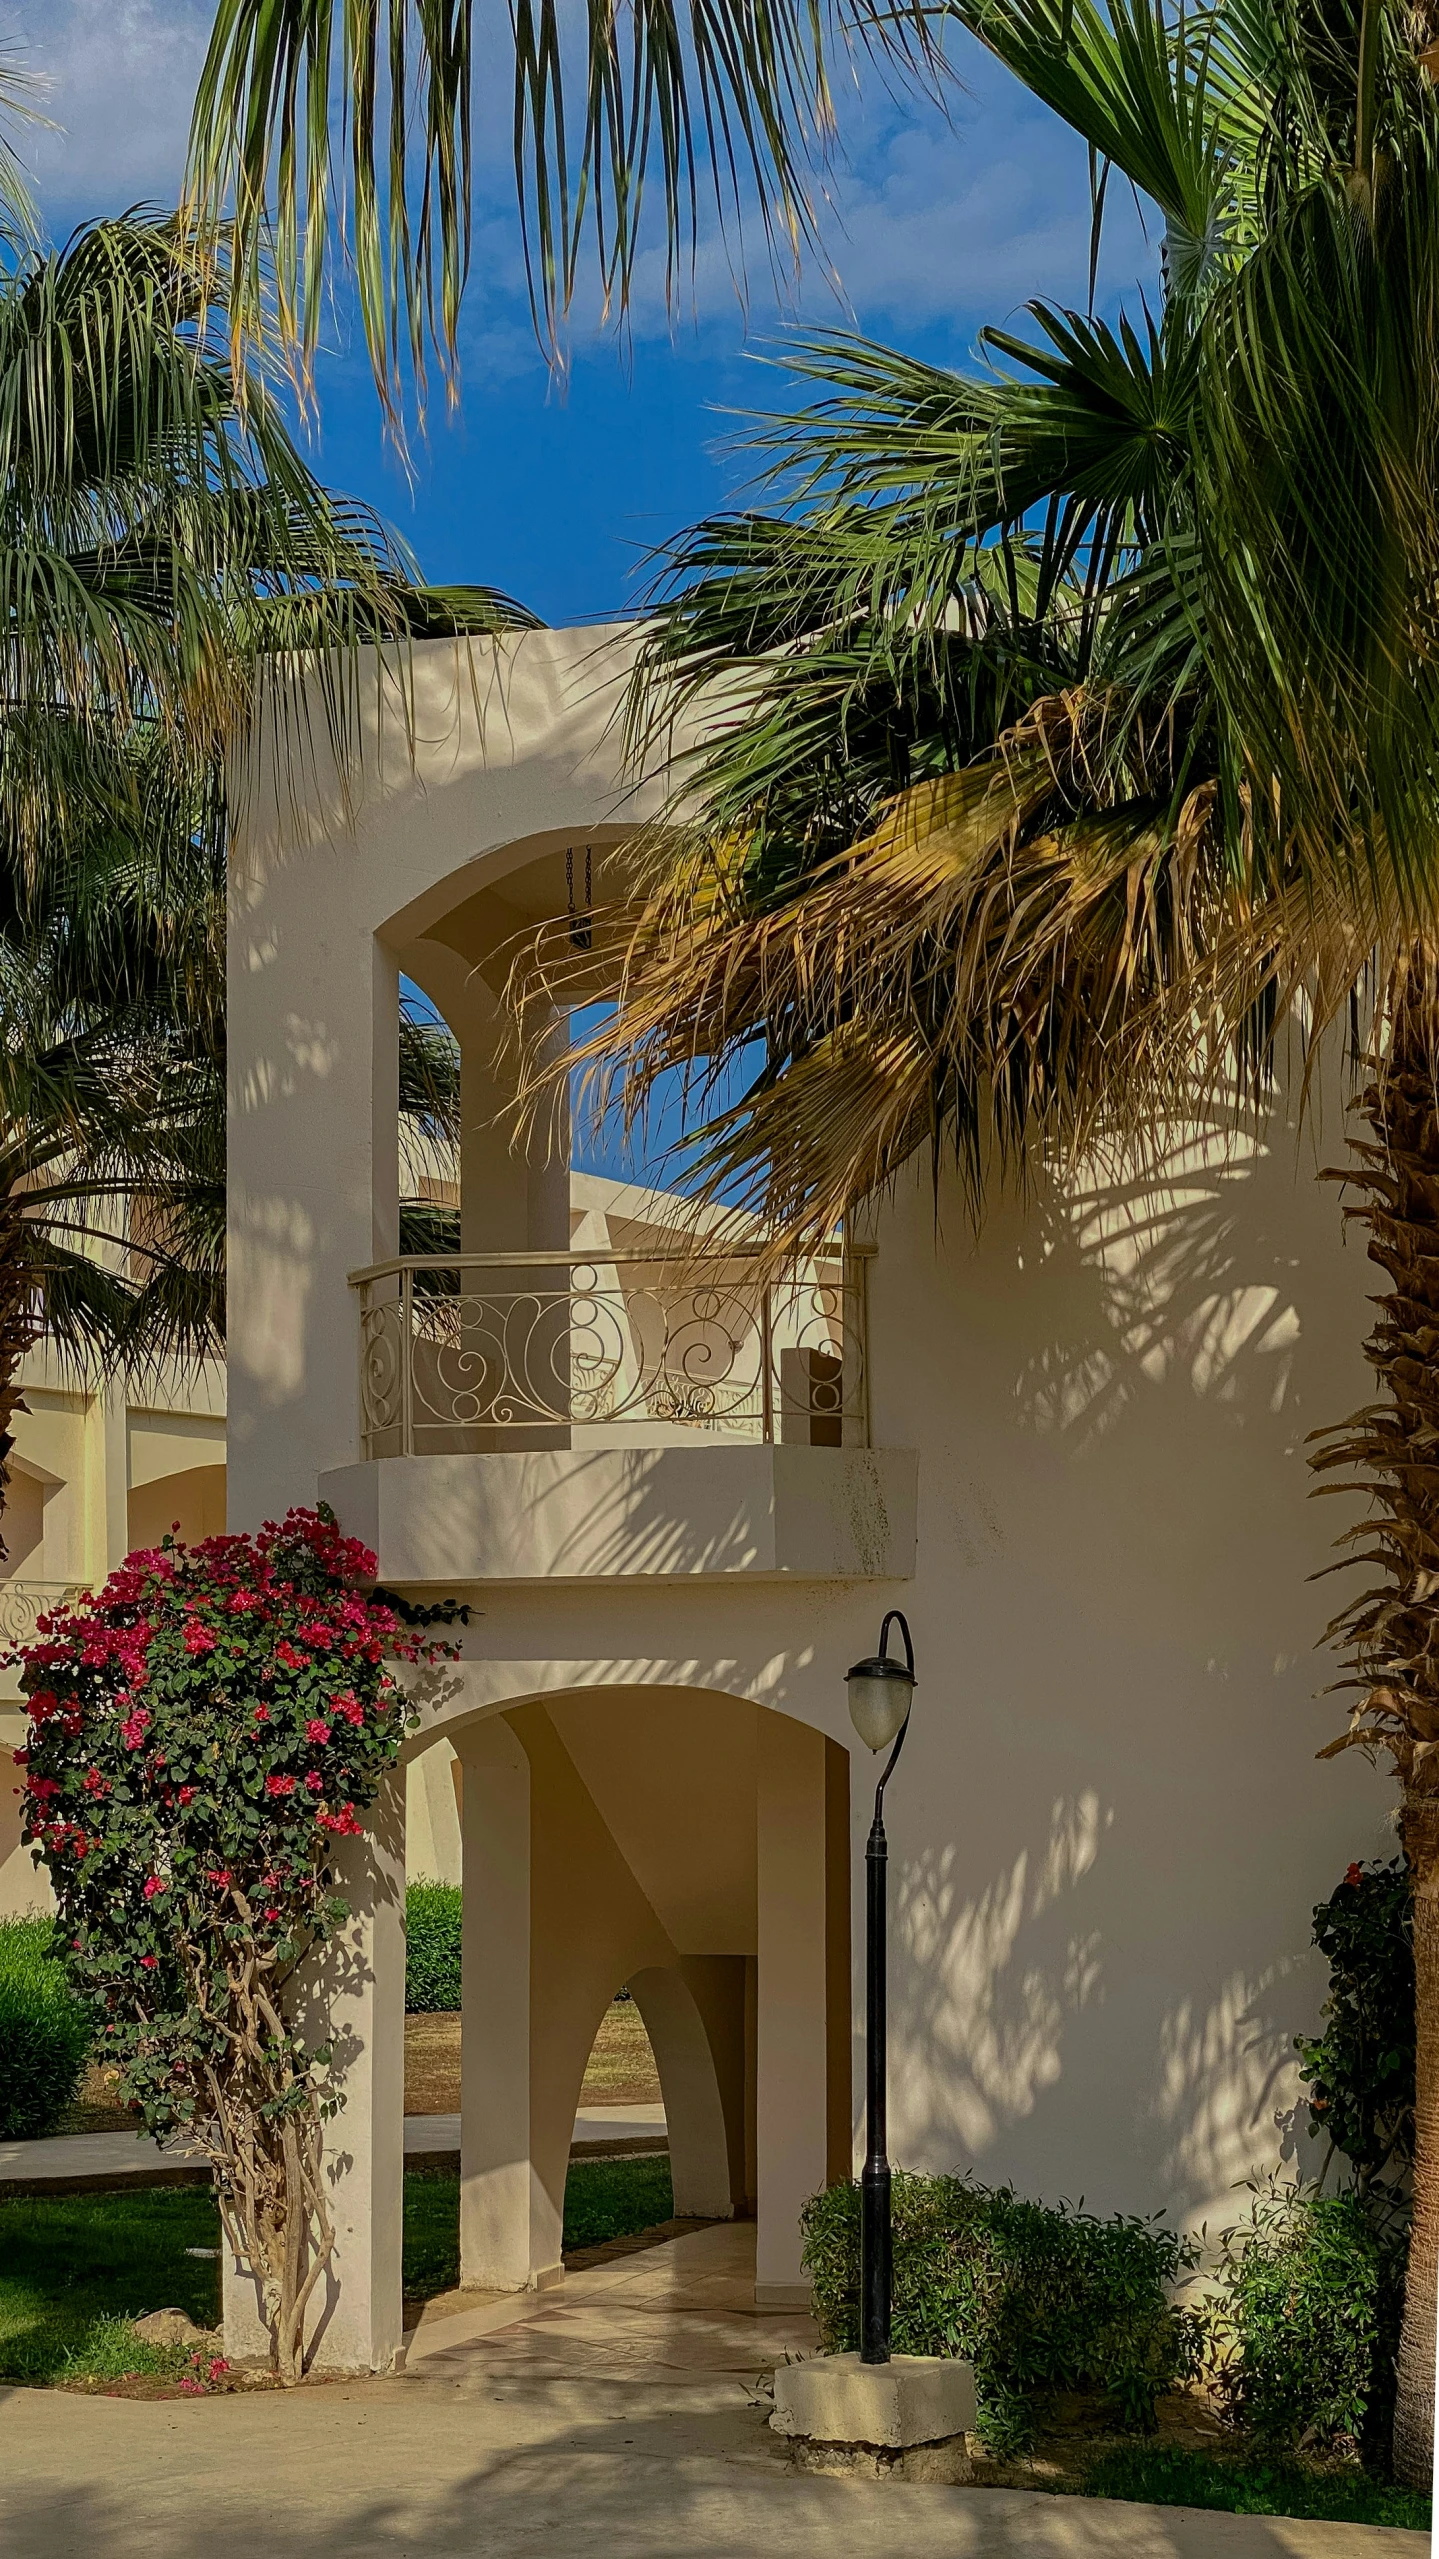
x=907, y=2419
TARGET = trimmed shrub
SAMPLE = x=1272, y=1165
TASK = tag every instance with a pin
x=1360, y=2067
x=1037, y=2298
x=432, y=1946
x=1305, y=2319
x=44, y=2032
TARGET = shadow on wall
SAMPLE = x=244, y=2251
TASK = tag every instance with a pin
x=1116, y=1556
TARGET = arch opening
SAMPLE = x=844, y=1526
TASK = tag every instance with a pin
x=693, y=1846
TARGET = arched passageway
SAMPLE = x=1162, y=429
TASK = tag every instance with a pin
x=694, y=1846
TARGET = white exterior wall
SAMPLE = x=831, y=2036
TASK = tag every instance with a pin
x=1108, y=1828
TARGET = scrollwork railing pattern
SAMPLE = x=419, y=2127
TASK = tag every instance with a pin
x=23, y=1603
x=569, y=1350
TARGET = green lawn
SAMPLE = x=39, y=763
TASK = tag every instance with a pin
x=604, y=2199
x=1168, y=2475
x=70, y=2263
x=75, y=2268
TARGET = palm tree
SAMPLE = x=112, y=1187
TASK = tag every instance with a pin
x=736, y=94
x=164, y=554
x=1074, y=724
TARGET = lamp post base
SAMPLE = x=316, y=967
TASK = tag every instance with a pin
x=906, y=2419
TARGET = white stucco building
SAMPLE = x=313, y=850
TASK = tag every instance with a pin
x=679, y=1505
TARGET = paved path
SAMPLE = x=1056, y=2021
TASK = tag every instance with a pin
x=614, y=2419
x=70, y=2157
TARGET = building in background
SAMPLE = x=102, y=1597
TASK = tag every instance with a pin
x=93, y=1474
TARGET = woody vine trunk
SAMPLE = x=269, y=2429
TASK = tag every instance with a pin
x=263, y=2141
x=1390, y=1634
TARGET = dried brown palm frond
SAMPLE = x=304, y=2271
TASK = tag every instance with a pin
x=998, y=964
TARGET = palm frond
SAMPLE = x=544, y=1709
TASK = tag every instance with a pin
x=732, y=96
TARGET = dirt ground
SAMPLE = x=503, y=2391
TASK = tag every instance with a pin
x=621, y=2068
x=621, y=2072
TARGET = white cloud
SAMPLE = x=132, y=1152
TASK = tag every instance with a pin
x=931, y=223
x=120, y=77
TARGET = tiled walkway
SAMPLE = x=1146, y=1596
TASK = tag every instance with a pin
x=686, y=2307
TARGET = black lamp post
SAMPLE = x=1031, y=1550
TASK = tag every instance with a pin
x=881, y=1692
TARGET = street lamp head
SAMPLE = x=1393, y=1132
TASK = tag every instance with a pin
x=881, y=1690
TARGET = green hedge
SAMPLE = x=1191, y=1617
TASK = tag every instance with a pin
x=1305, y=2319
x=1038, y=2299
x=432, y=1946
x=44, y=2032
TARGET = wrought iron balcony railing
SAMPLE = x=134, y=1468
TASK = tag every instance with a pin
x=572, y=1350
x=24, y=1602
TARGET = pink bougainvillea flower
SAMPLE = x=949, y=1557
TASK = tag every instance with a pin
x=262, y=1715
x=149, y=1962
x=279, y=1785
x=187, y=1794
x=154, y=1884
x=315, y=1782
x=198, y=1637
x=343, y=1823
x=192, y=2387
x=317, y=1730
x=1353, y=1875
x=292, y=1660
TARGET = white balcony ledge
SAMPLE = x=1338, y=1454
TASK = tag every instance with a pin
x=764, y=1512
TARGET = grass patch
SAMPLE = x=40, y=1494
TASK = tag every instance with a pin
x=616, y=2198
x=1172, y=2475
x=75, y=2268
x=111, y=2351
x=604, y=2199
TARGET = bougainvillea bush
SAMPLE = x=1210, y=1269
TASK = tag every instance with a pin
x=202, y=1736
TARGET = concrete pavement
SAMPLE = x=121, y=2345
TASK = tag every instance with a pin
x=69, y=2159
x=485, y=2465
x=617, y=2417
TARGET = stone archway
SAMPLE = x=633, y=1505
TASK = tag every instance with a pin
x=695, y=1846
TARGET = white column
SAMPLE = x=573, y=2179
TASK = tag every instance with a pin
x=790, y=2103
x=507, y=2233
x=357, y=2002
x=694, y=2110
x=313, y=1172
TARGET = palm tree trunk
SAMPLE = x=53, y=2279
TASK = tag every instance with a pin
x=1414, y=2405
x=18, y=1327
x=1390, y=1634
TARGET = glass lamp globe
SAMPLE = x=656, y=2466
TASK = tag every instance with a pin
x=879, y=1699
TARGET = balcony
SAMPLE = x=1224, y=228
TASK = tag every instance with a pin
x=545, y=1350
x=567, y=1416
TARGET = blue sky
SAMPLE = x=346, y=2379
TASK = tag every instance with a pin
x=558, y=492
